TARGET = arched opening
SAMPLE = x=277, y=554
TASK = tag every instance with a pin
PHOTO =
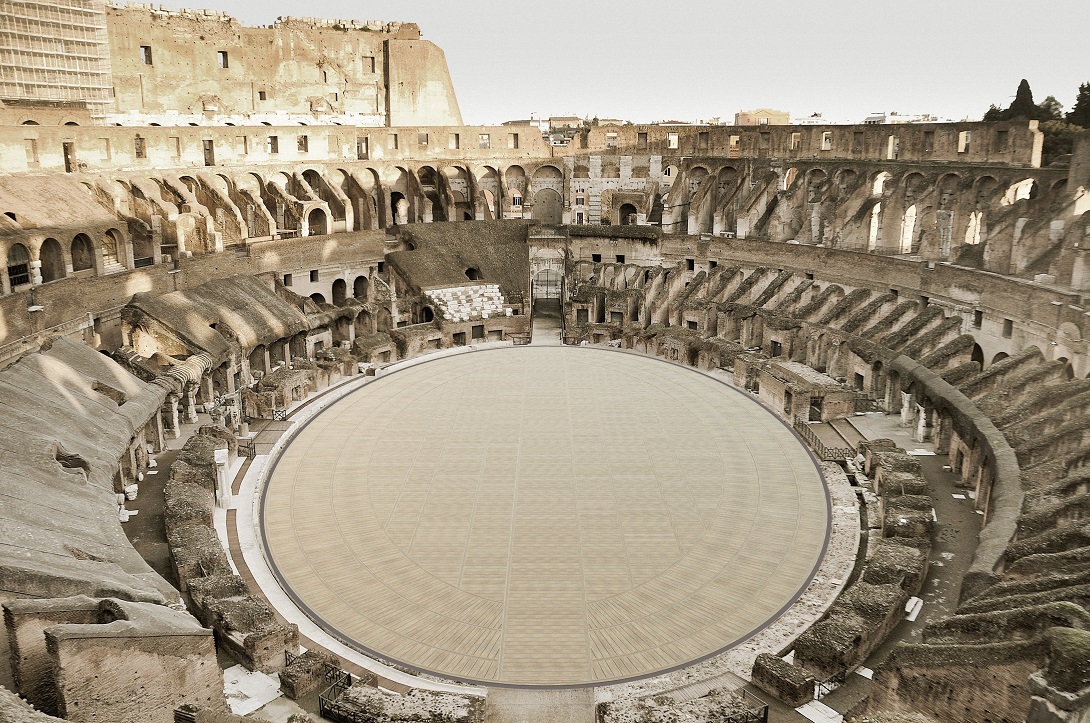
x=143, y=250
x=340, y=291
x=400, y=207
x=30, y=123
x=18, y=265
x=467, y=216
x=1069, y=371
x=110, y=245
x=365, y=324
x=473, y=274
x=52, y=261
x=627, y=214
x=317, y=298
x=548, y=207
x=977, y=355
x=908, y=228
x=359, y=287
x=316, y=223
x=1000, y=357
x=257, y=360
x=83, y=253
x=875, y=227
x=972, y=231
x=879, y=185
x=426, y=315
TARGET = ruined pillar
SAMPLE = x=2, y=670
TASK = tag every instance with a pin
x=924, y=423
x=169, y=413
x=189, y=404
x=908, y=409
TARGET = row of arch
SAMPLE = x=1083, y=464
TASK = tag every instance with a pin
x=48, y=259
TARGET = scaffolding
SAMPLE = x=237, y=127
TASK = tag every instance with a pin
x=56, y=50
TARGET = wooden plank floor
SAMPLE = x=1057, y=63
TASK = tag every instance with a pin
x=545, y=516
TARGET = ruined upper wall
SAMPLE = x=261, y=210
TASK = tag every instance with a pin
x=172, y=61
x=1014, y=143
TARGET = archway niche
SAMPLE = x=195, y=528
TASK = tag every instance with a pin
x=340, y=291
x=626, y=215
x=316, y=223
x=83, y=253
x=359, y=287
x=52, y=257
x=18, y=265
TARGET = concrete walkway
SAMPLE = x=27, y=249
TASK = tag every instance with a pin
x=513, y=705
x=547, y=323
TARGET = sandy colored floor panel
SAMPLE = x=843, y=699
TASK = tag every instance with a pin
x=545, y=516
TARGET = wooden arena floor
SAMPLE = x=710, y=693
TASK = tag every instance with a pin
x=545, y=516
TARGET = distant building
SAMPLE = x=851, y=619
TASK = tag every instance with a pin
x=895, y=117
x=559, y=122
x=762, y=117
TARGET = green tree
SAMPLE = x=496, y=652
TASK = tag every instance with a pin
x=1023, y=107
x=1051, y=109
x=1059, y=139
x=1080, y=112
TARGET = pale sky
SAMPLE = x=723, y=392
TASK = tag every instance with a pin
x=644, y=61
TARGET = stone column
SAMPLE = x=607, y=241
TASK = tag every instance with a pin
x=908, y=409
x=924, y=423
x=189, y=404
x=169, y=413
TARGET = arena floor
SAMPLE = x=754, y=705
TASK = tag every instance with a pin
x=545, y=516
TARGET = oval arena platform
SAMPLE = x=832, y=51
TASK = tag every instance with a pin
x=545, y=516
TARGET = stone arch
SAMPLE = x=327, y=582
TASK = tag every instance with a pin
x=18, y=265
x=626, y=215
x=845, y=178
x=317, y=222
x=977, y=355
x=1070, y=330
x=488, y=181
x=725, y=180
x=427, y=314
x=547, y=172
x=52, y=257
x=340, y=291
x=912, y=185
x=112, y=244
x=143, y=248
x=548, y=207
x=789, y=178
x=973, y=231
x=1024, y=189
x=364, y=323
x=983, y=188
x=1068, y=370
x=256, y=359
x=82, y=252
x=1000, y=357
x=878, y=183
x=515, y=178
x=317, y=298
x=696, y=176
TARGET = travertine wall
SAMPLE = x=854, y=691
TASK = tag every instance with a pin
x=364, y=71
x=138, y=665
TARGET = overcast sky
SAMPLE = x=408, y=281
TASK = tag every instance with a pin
x=688, y=60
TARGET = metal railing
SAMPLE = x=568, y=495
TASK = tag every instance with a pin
x=825, y=453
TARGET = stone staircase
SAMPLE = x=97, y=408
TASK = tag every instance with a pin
x=462, y=303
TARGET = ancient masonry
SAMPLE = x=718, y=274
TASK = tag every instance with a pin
x=186, y=260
